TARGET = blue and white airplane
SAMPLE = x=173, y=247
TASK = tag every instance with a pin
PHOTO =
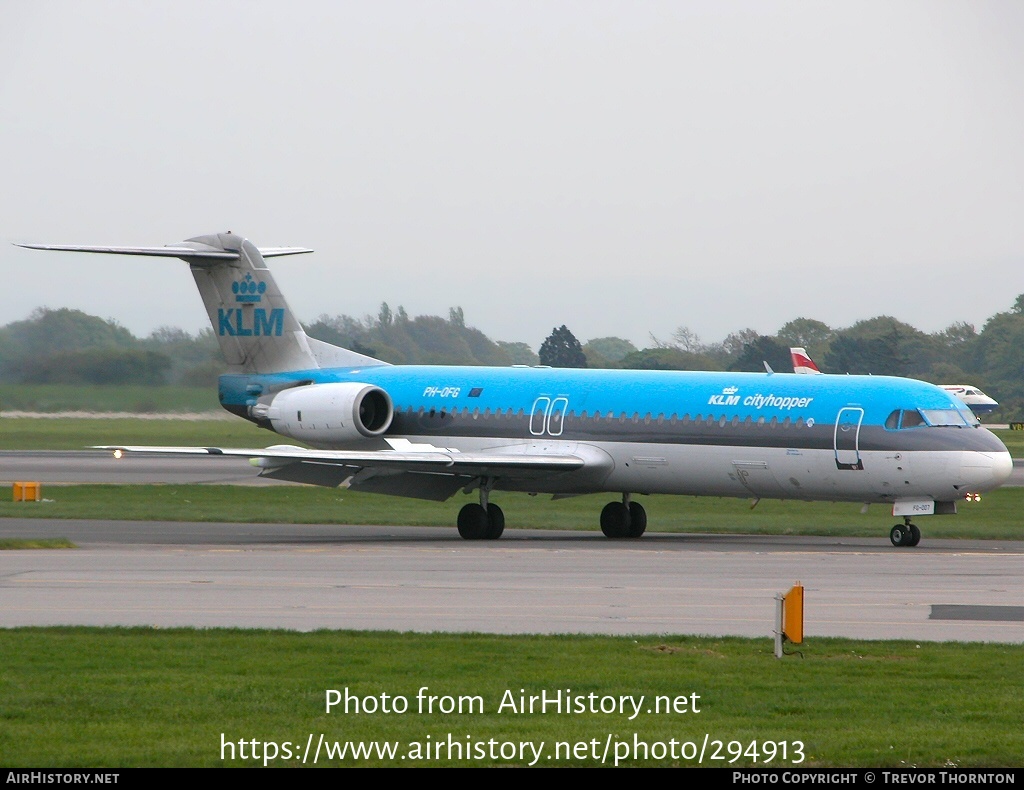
x=431, y=431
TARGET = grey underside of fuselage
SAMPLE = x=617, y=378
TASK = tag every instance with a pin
x=712, y=457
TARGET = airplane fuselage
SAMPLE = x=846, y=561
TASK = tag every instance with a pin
x=777, y=435
x=429, y=432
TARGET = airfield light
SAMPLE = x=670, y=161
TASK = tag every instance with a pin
x=118, y=453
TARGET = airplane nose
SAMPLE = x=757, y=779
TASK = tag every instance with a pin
x=984, y=471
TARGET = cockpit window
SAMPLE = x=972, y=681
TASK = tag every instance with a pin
x=912, y=418
x=936, y=418
x=944, y=418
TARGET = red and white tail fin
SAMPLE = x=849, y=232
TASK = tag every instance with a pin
x=802, y=363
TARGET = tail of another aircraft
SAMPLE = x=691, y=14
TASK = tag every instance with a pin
x=802, y=362
x=256, y=330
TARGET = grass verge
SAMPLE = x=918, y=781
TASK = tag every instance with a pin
x=996, y=517
x=78, y=433
x=140, y=697
x=1014, y=441
x=96, y=397
x=35, y=543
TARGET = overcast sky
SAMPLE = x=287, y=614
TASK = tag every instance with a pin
x=622, y=168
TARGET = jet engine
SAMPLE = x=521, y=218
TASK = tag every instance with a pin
x=328, y=413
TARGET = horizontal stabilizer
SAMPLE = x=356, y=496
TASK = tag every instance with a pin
x=170, y=251
x=255, y=329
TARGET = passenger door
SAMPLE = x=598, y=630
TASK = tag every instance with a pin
x=846, y=439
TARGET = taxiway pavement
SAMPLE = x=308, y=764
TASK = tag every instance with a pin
x=306, y=577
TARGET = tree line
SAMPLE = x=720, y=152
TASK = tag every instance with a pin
x=65, y=346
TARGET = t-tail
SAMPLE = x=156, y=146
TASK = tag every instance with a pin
x=256, y=330
x=802, y=362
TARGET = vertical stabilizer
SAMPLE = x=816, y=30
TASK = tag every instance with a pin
x=802, y=362
x=256, y=330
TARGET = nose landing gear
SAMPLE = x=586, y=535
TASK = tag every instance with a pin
x=905, y=534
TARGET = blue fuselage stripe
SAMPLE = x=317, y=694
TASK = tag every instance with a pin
x=630, y=399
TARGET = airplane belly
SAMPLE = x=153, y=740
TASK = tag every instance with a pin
x=685, y=469
x=888, y=475
x=804, y=474
x=913, y=474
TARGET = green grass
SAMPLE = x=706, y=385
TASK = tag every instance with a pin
x=35, y=543
x=1014, y=441
x=997, y=516
x=72, y=433
x=141, y=697
x=94, y=397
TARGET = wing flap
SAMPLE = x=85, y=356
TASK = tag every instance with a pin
x=469, y=464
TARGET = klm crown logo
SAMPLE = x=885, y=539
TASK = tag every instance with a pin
x=727, y=398
x=248, y=290
x=246, y=321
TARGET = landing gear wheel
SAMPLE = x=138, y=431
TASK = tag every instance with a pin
x=637, y=519
x=473, y=522
x=898, y=535
x=915, y=535
x=615, y=520
x=495, y=522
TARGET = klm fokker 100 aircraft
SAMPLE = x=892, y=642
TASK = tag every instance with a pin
x=431, y=431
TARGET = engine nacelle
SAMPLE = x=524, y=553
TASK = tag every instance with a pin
x=328, y=413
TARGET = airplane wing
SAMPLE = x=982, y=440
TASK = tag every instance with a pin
x=429, y=461
x=434, y=473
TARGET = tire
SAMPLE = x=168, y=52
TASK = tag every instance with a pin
x=898, y=535
x=615, y=520
x=915, y=535
x=473, y=522
x=637, y=519
x=495, y=522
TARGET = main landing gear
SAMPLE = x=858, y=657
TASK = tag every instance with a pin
x=905, y=534
x=625, y=519
x=485, y=521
